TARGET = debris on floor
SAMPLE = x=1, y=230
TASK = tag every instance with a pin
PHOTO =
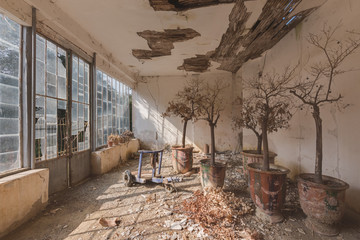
x=148, y=212
x=219, y=213
x=109, y=222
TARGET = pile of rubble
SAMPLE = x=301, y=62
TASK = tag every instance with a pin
x=219, y=213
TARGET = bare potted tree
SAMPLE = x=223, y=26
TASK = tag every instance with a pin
x=271, y=110
x=322, y=198
x=211, y=104
x=248, y=118
x=185, y=105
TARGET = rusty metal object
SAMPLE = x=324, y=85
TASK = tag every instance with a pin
x=182, y=159
x=268, y=190
x=323, y=204
x=212, y=176
x=251, y=156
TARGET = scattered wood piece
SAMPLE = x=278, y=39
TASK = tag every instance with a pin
x=180, y=5
x=54, y=211
x=193, y=171
x=161, y=43
x=151, y=198
x=200, y=63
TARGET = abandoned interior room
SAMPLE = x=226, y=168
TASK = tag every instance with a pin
x=179, y=119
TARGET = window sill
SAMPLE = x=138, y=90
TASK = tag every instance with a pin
x=12, y=172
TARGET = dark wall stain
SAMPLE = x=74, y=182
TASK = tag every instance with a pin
x=200, y=63
x=161, y=43
x=183, y=5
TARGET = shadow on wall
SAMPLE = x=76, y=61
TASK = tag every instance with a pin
x=151, y=100
x=151, y=128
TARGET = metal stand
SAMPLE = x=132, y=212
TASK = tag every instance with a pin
x=154, y=176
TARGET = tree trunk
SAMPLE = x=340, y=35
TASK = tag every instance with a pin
x=319, y=152
x=212, y=130
x=265, y=166
x=184, y=133
x=259, y=142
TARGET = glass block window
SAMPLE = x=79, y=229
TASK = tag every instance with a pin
x=112, y=107
x=10, y=38
x=80, y=128
x=51, y=100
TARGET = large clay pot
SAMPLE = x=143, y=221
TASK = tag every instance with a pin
x=251, y=156
x=212, y=176
x=267, y=190
x=323, y=204
x=182, y=159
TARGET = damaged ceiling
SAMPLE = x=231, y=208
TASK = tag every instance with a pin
x=175, y=37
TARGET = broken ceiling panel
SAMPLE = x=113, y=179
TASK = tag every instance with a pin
x=239, y=45
x=200, y=63
x=161, y=43
x=183, y=5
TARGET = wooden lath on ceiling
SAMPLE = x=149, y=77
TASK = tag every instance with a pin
x=183, y=5
x=238, y=44
x=161, y=43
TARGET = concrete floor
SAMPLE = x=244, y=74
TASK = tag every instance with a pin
x=143, y=210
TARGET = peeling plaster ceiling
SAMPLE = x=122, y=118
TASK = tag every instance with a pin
x=118, y=25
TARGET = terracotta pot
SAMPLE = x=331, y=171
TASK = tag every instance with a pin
x=110, y=143
x=182, y=159
x=324, y=204
x=212, y=176
x=268, y=190
x=251, y=156
x=116, y=142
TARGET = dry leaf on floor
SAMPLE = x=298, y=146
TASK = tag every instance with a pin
x=219, y=212
x=109, y=222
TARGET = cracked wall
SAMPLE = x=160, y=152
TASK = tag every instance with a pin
x=296, y=146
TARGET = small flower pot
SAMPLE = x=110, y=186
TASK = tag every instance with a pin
x=116, y=142
x=182, y=159
x=323, y=204
x=212, y=176
x=110, y=143
x=267, y=190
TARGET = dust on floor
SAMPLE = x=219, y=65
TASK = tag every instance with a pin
x=147, y=211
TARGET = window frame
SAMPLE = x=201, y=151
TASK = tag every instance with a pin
x=21, y=165
x=66, y=99
x=123, y=93
x=72, y=55
x=28, y=94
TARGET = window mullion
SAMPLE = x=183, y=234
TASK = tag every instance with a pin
x=45, y=100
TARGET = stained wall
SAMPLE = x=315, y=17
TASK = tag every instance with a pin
x=296, y=146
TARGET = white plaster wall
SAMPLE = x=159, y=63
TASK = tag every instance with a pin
x=150, y=99
x=296, y=146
